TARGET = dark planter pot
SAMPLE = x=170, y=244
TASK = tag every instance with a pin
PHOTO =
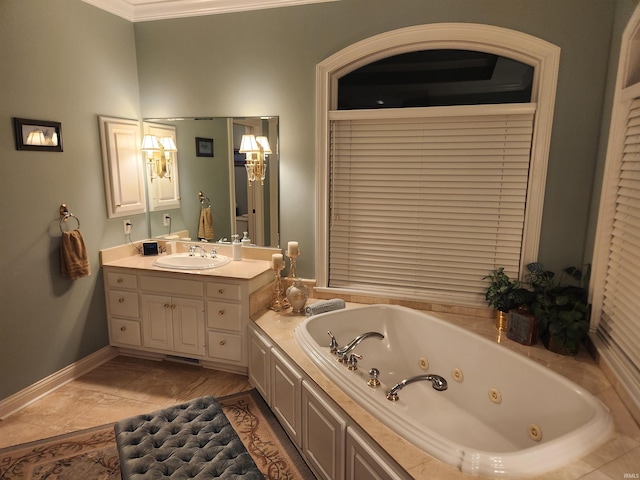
x=552, y=344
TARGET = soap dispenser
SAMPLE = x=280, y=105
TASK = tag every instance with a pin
x=236, y=248
x=246, y=241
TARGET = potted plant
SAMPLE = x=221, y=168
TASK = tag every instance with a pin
x=560, y=309
x=503, y=294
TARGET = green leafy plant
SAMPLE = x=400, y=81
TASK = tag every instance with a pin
x=503, y=293
x=560, y=309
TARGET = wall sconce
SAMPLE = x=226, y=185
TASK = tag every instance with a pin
x=256, y=149
x=158, y=155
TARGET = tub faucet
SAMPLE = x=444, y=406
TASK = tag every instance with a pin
x=343, y=352
x=437, y=382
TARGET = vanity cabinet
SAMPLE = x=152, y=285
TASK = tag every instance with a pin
x=333, y=446
x=201, y=319
x=123, y=309
x=286, y=385
x=173, y=324
x=324, y=430
x=259, y=367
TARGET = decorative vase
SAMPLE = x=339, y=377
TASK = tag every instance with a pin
x=522, y=326
x=552, y=344
x=297, y=294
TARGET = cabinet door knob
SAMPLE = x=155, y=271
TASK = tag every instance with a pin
x=122, y=329
x=223, y=342
x=120, y=280
x=166, y=305
x=121, y=300
x=220, y=312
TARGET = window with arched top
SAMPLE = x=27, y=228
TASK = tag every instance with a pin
x=432, y=154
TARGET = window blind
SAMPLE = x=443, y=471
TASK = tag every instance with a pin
x=429, y=202
x=619, y=326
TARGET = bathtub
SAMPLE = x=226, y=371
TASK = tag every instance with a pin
x=502, y=414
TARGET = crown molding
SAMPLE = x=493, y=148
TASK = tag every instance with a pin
x=146, y=10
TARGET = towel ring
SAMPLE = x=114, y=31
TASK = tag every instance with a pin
x=204, y=201
x=65, y=215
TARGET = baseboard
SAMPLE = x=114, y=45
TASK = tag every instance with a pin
x=48, y=384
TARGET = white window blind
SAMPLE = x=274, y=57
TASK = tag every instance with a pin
x=619, y=326
x=426, y=202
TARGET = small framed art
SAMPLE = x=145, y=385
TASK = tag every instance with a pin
x=37, y=135
x=204, y=147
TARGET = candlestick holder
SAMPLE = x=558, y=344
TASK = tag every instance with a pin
x=279, y=302
x=292, y=265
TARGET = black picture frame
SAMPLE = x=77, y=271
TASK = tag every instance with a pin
x=204, y=147
x=51, y=133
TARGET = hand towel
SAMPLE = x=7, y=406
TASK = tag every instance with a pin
x=74, y=261
x=325, y=306
x=205, y=229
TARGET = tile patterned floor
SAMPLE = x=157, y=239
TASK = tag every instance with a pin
x=118, y=389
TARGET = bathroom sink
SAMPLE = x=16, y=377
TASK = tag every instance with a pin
x=184, y=261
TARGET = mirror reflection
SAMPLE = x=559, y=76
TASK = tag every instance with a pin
x=209, y=194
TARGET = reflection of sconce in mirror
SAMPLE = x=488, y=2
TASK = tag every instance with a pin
x=256, y=149
x=158, y=155
x=37, y=137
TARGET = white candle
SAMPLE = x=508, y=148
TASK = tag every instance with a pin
x=277, y=261
x=292, y=249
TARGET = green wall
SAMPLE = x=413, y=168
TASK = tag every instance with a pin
x=63, y=61
x=67, y=61
x=263, y=62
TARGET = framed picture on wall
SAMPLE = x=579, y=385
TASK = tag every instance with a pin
x=204, y=147
x=37, y=135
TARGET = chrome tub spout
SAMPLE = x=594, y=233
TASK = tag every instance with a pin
x=437, y=382
x=343, y=352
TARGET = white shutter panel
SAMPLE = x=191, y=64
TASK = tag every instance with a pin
x=619, y=326
x=428, y=201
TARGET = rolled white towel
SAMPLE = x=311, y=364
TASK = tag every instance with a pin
x=324, y=306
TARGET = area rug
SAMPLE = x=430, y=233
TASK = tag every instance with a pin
x=91, y=454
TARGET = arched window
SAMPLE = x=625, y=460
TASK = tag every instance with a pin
x=422, y=201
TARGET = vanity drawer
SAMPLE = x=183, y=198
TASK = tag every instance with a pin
x=122, y=280
x=225, y=316
x=172, y=286
x=225, y=346
x=123, y=304
x=125, y=332
x=224, y=291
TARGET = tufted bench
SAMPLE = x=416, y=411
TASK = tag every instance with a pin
x=191, y=440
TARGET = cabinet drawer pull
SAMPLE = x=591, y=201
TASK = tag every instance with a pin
x=123, y=329
x=221, y=291
x=223, y=343
x=120, y=280
x=121, y=300
x=221, y=312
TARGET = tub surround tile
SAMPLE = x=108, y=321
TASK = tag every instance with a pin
x=604, y=463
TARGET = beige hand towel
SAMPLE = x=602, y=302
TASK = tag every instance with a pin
x=205, y=229
x=74, y=261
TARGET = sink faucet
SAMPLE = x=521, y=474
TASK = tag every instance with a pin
x=437, y=382
x=194, y=248
x=343, y=352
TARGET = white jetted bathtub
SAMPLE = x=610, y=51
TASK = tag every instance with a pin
x=501, y=415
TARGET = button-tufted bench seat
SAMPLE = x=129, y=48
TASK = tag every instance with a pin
x=191, y=440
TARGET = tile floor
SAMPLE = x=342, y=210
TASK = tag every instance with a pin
x=118, y=389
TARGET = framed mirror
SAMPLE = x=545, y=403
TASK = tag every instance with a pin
x=212, y=175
